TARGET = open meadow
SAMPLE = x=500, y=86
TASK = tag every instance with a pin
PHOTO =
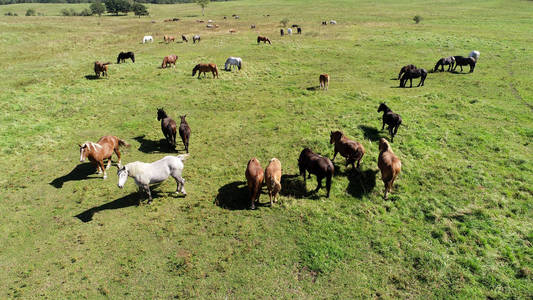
x=458, y=224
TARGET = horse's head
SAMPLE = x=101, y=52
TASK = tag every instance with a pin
x=335, y=136
x=122, y=174
x=84, y=151
x=382, y=107
x=383, y=145
x=183, y=119
x=161, y=114
x=195, y=69
x=302, y=159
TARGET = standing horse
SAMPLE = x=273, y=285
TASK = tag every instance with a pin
x=324, y=81
x=393, y=120
x=389, y=164
x=195, y=38
x=184, y=38
x=351, y=150
x=122, y=56
x=450, y=61
x=204, y=68
x=185, y=132
x=263, y=39
x=405, y=69
x=148, y=38
x=254, y=177
x=463, y=61
x=273, y=178
x=103, y=149
x=475, y=54
x=145, y=174
x=318, y=165
x=280, y=31
x=169, y=61
x=169, y=38
x=289, y=31
x=100, y=67
x=233, y=61
x=413, y=73
x=168, y=126
x=299, y=29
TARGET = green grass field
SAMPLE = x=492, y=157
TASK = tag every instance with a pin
x=458, y=224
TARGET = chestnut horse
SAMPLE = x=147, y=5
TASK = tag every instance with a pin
x=254, y=176
x=100, y=67
x=103, y=149
x=351, y=150
x=324, y=81
x=204, y=68
x=168, y=126
x=169, y=38
x=185, y=132
x=389, y=164
x=318, y=165
x=169, y=60
x=273, y=178
x=263, y=39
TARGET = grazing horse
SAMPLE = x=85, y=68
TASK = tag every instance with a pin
x=204, y=68
x=145, y=174
x=289, y=31
x=185, y=132
x=475, y=54
x=254, y=176
x=324, y=23
x=405, y=69
x=100, y=67
x=233, y=61
x=169, y=61
x=389, y=164
x=232, y=30
x=463, y=61
x=299, y=30
x=263, y=39
x=413, y=73
x=169, y=38
x=103, y=149
x=281, y=32
x=184, y=38
x=273, y=178
x=351, y=150
x=324, y=81
x=168, y=126
x=392, y=119
x=195, y=38
x=332, y=22
x=450, y=61
x=122, y=56
x=318, y=165
x=148, y=38
x=252, y=26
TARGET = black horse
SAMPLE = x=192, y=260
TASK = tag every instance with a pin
x=281, y=32
x=168, y=126
x=449, y=61
x=393, y=120
x=122, y=56
x=185, y=132
x=463, y=61
x=299, y=30
x=413, y=73
x=318, y=165
x=404, y=69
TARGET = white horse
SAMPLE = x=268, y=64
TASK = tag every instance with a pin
x=332, y=22
x=195, y=38
x=475, y=54
x=289, y=31
x=233, y=61
x=148, y=38
x=145, y=174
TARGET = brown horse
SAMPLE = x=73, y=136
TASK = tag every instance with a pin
x=405, y=69
x=389, y=164
x=168, y=126
x=351, y=150
x=324, y=81
x=100, y=67
x=273, y=178
x=263, y=39
x=169, y=38
x=169, y=60
x=103, y=149
x=318, y=165
x=185, y=132
x=254, y=176
x=204, y=68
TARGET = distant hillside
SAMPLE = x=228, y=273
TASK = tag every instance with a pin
x=4, y=2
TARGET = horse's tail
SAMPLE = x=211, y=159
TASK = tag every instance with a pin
x=123, y=143
x=183, y=157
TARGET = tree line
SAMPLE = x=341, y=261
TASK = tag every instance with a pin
x=3, y=2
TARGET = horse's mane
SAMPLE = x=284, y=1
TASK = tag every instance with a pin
x=384, y=146
x=94, y=145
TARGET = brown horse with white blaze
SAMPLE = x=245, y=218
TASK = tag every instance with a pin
x=103, y=149
x=254, y=176
x=389, y=164
x=204, y=68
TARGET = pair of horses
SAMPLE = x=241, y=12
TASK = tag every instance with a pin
x=204, y=68
x=100, y=68
x=168, y=126
x=263, y=39
x=409, y=72
x=254, y=176
x=169, y=60
x=454, y=61
x=122, y=56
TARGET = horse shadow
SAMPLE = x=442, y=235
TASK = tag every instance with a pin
x=313, y=88
x=361, y=182
x=233, y=196
x=459, y=73
x=293, y=186
x=370, y=133
x=80, y=172
x=91, y=77
x=149, y=146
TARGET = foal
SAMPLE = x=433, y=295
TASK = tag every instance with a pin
x=185, y=132
x=351, y=150
x=318, y=165
x=254, y=176
x=393, y=120
x=414, y=73
x=168, y=126
x=324, y=81
x=103, y=149
x=389, y=164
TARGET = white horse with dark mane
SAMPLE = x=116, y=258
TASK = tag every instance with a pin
x=233, y=61
x=148, y=38
x=145, y=174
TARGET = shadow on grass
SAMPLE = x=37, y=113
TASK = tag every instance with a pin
x=235, y=196
x=80, y=172
x=91, y=77
x=361, y=182
x=460, y=73
x=293, y=186
x=313, y=88
x=149, y=146
x=370, y=133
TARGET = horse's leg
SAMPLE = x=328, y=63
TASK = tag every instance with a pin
x=117, y=152
x=101, y=163
x=461, y=68
x=108, y=163
x=334, y=154
x=383, y=127
x=411, y=82
x=319, y=183
x=147, y=189
x=180, y=181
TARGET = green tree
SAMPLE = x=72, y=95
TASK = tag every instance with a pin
x=30, y=12
x=97, y=8
x=139, y=9
x=203, y=4
x=117, y=6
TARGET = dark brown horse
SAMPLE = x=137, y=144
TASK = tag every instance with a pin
x=449, y=61
x=185, y=132
x=351, y=150
x=254, y=176
x=169, y=61
x=100, y=67
x=103, y=149
x=393, y=120
x=122, y=56
x=184, y=38
x=404, y=69
x=204, y=68
x=318, y=165
x=414, y=73
x=263, y=39
x=463, y=61
x=168, y=126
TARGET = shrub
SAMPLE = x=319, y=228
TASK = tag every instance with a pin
x=97, y=8
x=417, y=19
x=30, y=12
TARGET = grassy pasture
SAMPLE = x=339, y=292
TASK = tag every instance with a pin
x=458, y=225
